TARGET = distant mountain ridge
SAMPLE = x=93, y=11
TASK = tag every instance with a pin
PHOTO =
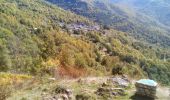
x=121, y=16
x=158, y=9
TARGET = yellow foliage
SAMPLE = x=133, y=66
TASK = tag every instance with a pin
x=9, y=79
x=51, y=63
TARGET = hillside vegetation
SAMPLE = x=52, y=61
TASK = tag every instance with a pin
x=147, y=35
x=124, y=17
x=33, y=41
x=25, y=33
x=38, y=38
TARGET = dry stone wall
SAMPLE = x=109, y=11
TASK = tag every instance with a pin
x=146, y=90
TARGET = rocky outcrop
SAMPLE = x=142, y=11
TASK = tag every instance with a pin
x=110, y=92
x=115, y=86
x=121, y=81
x=60, y=93
x=105, y=88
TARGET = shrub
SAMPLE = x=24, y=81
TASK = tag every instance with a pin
x=129, y=59
x=80, y=61
x=109, y=62
x=118, y=69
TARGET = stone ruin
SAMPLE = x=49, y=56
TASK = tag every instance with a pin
x=146, y=87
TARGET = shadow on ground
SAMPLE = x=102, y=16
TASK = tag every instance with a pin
x=138, y=97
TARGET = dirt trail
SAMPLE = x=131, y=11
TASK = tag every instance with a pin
x=163, y=93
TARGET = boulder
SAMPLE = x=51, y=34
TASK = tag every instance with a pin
x=110, y=92
x=63, y=90
x=120, y=81
x=61, y=97
x=62, y=93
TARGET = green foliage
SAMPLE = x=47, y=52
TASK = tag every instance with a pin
x=118, y=69
x=158, y=71
x=94, y=36
x=26, y=36
x=5, y=62
x=80, y=61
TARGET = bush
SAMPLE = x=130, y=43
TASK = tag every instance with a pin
x=95, y=37
x=129, y=59
x=80, y=61
x=109, y=62
x=118, y=69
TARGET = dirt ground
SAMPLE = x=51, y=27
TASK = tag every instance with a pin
x=163, y=93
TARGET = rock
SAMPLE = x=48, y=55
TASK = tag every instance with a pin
x=119, y=91
x=64, y=93
x=61, y=97
x=51, y=79
x=48, y=98
x=114, y=93
x=62, y=90
x=43, y=93
x=104, y=84
x=85, y=96
x=120, y=81
x=69, y=94
x=110, y=92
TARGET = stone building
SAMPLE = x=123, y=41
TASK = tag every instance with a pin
x=146, y=87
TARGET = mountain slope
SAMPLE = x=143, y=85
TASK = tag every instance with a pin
x=25, y=37
x=41, y=38
x=157, y=9
x=118, y=16
x=147, y=31
x=33, y=40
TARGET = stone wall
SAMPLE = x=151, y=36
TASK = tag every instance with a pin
x=145, y=90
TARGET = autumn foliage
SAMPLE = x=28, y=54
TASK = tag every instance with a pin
x=70, y=72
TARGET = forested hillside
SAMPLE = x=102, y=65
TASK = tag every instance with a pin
x=37, y=37
x=122, y=17
x=27, y=33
